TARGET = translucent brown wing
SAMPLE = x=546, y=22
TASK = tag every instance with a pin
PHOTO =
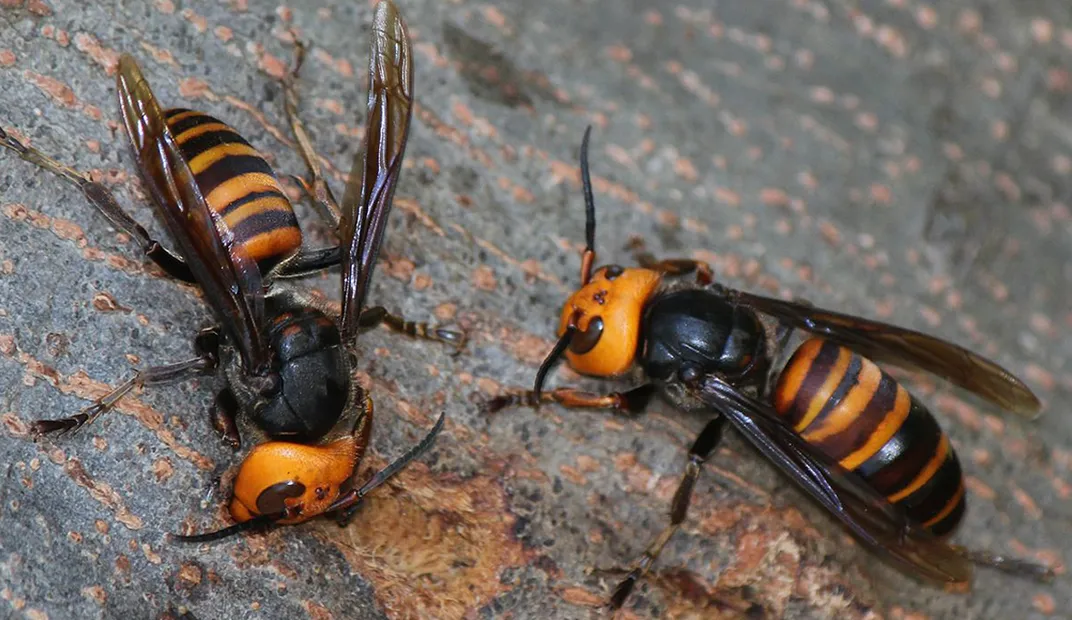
x=376, y=168
x=883, y=342
x=230, y=279
x=875, y=521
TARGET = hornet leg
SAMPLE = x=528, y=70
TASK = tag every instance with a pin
x=629, y=402
x=222, y=416
x=149, y=376
x=223, y=411
x=671, y=266
x=371, y=317
x=207, y=343
x=677, y=267
x=704, y=445
x=361, y=433
x=105, y=202
x=308, y=261
x=317, y=188
x=1010, y=565
x=346, y=502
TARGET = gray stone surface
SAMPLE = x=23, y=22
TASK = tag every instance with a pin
x=899, y=159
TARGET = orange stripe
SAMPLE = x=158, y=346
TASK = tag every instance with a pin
x=236, y=187
x=948, y=507
x=210, y=156
x=793, y=375
x=182, y=116
x=927, y=473
x=273, y=243
x=197, y=130
x=842, y=415
x=889, y=426
x=823, y=394
x=268, y=203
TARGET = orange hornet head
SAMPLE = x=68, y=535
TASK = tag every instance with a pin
x=606, y=313
x=287, y=483
x=600, y=325
x=299, y=480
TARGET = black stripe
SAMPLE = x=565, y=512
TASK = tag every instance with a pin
x=935, y=494
x=250, y=197
x=905, y=455
x=210, y=139
x=849, y=380
x=228, y=168
x=195, y=119
x=814, y=377
x=866, y=421
x=262, y=222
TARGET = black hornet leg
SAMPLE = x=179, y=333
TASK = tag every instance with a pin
x=371, y=317
x=149, y=376
x=105, y=202
x=701, y=449
x=633, y=400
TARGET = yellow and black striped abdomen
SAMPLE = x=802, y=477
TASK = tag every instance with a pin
x=847, y=407
x=238, y=185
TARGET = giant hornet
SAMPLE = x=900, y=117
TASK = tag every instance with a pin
x=829, y=418
x=286, y=361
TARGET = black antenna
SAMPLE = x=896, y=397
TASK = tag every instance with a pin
x=587, y=259
x=550, y=361
x=589, y=255
x=347, y=500
x=353, y=497
x=589, y=200
x=258, y=522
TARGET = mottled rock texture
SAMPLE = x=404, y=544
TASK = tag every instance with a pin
x=900, y=159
